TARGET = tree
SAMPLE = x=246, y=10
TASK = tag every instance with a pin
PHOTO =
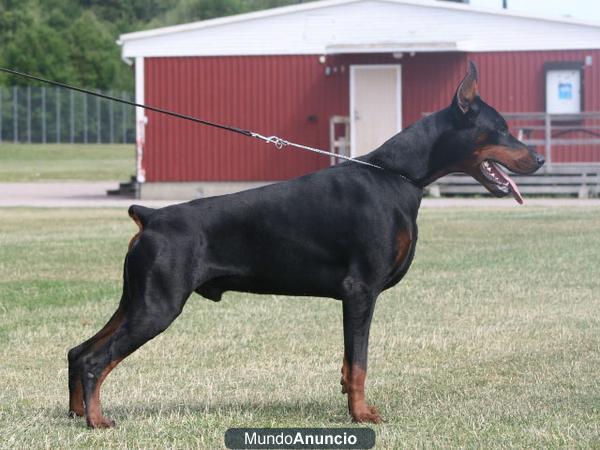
x=39, y=50
x=94, y=53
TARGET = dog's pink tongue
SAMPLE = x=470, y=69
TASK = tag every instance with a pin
x=513, y=186
x=515, y=190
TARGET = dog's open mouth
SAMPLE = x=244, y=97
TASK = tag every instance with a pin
x=501, y=182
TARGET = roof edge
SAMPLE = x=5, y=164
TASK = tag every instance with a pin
x=282, y=10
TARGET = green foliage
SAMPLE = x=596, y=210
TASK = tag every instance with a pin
x=94, y=53
x=39, y=50
x=74, y=41
x=191, y=10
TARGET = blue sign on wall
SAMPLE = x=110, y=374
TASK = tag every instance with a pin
x=565, y=91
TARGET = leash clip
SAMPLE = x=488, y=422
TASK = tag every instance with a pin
x=277, y=142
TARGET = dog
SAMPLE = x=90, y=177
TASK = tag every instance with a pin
x=347, y=232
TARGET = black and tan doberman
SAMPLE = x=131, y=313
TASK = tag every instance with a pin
x=347, y=232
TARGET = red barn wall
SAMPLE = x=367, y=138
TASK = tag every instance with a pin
x=290, y=96
x=269, y=95
x=515, y=82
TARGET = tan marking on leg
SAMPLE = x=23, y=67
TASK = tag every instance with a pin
x=94, y=416
x=345, y=376
x=76, y=397
x=115, y=322
x=76, y=400
x=359, y=410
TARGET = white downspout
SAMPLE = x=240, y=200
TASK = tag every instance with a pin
x=140, y=120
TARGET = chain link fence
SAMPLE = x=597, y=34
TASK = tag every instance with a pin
x=32, y=114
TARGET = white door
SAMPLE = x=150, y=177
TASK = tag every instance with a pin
x=375, y=106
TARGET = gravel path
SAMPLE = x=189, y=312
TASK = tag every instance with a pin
x=67, y=195
x=93, y=195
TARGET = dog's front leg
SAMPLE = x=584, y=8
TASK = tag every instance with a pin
x=358, y=306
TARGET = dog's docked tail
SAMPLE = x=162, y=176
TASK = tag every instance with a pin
x=140, y=215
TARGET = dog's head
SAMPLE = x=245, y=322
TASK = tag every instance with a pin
x=480, y=144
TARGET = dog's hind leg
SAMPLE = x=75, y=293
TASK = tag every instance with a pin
x=76, y=404
x=141, y=324
x=358, y=305
x=96, y=365
x=154, y=295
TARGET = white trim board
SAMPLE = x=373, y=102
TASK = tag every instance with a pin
x=140, y=119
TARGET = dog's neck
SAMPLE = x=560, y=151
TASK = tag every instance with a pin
x=411, y=151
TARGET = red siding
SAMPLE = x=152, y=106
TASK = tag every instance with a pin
x=291, y=96
x=270, y=95
x=514, y=82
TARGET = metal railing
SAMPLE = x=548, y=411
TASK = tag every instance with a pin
x=569, y=138
x=31, y=114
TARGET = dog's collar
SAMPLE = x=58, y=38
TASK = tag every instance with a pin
x=405, y=177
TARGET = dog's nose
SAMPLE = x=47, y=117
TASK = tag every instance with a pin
x=540, y=159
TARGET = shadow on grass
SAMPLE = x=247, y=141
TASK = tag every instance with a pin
x=263, y=413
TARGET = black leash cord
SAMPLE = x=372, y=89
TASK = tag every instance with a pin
x=127, y=102
x=277, y=141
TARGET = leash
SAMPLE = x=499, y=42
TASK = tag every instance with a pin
x=278, y=142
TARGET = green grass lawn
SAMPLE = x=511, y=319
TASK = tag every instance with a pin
x=491, y=340
x=61, y=162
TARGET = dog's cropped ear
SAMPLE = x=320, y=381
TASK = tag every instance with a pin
x=467, y=90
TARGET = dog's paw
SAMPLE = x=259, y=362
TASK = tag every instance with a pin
x=102, y=422
x=368, y=414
